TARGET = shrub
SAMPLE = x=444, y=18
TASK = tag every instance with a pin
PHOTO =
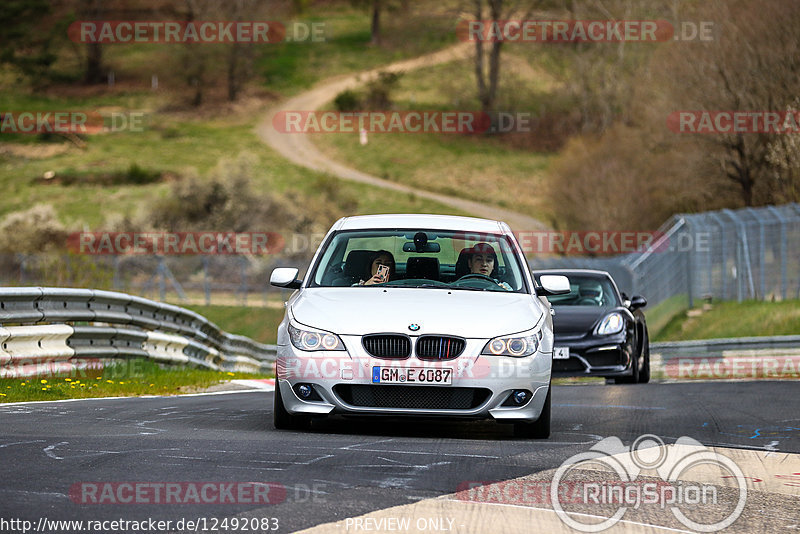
x=347, y=100
x=31, y=231
x=379, y=90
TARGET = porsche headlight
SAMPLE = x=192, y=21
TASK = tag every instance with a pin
x=312, y=340
x=611, y=324
x=516, y=346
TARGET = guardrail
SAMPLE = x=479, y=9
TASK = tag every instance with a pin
x=745, y=357
x=83, y=326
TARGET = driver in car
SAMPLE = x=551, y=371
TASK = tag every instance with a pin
x=482, y=259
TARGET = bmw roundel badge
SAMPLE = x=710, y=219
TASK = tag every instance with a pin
x=413, y=327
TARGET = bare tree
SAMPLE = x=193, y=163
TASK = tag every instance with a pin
x=487, y=63
x=239, y=58
x=375, y=26
x=95, y=70
x=752, y=65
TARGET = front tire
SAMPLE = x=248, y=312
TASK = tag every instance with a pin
x=644, y=373
x=282, y=419
x=634, y=378
x=540, y=429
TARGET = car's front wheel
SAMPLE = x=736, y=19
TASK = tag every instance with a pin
x=644, y=372
x=634, y=377
x=540, y=429
x=282, y=419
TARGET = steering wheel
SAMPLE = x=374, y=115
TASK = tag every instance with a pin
x=477, y=276
x=586, y=301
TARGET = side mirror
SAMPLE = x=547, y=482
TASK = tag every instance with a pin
x=637, y=301
x=285, y=277
x=552, y=284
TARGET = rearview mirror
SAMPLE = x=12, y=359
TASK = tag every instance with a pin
x=427, y=247
x=553, y=284
x=285, y=277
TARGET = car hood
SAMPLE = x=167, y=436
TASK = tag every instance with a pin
x=468, y=314
x=574, y=320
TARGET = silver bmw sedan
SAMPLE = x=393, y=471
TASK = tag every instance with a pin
x=420, y=316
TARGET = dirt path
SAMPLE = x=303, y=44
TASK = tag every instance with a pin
x=299, y=149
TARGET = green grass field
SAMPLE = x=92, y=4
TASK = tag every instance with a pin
x=126, y=379
x=178, y=140
x=734, y=319
x=479, y=166
x=260, y=324
x=177, y=147
x=290, y=67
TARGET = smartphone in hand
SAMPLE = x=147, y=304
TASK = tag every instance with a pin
x=383, y=273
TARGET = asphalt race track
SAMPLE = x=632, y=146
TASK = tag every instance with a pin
x=342, y=468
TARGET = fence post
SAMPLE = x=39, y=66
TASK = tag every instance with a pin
x=206, y=288
x=782, y=223
x=690, y=268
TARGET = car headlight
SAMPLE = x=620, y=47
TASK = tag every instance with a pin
x=611, y=324
x=312, y=340
x=516, y=346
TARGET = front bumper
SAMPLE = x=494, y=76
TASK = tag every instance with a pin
x=606, y=356
x=481, y=386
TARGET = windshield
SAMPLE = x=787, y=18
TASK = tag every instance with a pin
x=419, y=258
x=587, y=291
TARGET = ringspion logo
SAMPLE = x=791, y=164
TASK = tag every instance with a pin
x=698, y=506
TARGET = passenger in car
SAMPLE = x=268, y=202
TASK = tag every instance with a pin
x=381, y=257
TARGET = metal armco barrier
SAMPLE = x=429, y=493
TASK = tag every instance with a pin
x=48, y=330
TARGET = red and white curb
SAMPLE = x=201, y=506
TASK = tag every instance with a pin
x=267, y=384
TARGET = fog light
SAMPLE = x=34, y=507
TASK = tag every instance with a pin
x=304, y=390
x=521, y=397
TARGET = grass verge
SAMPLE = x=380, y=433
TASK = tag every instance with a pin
x=660, y=315
x=128, y=378
x=735, y=319
x=259, y=324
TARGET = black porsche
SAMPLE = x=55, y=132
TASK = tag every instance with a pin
x=598, y=331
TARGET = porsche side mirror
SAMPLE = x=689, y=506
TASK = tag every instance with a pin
x=637, y=301
x=553, y=284
x=285, y=277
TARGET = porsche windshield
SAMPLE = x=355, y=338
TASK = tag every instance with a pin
x=587, y=291
x=419, y=258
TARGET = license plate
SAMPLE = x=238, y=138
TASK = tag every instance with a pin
x=561, y=353
x=412, y=375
